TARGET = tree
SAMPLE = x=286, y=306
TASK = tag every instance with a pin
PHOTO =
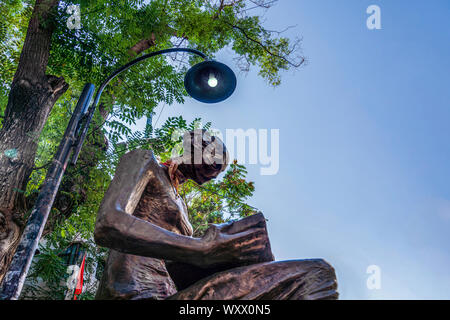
x=41, y=57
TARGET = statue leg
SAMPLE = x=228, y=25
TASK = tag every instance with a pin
x=282, y=280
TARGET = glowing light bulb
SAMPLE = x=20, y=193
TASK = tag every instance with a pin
x=212, y=81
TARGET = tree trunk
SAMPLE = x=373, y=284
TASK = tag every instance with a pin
x=32, y=96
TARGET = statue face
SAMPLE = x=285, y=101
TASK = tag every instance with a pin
x=200, y=173
x=205, y=156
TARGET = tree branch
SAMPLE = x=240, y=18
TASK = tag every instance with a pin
x=143, y=45
x=259, y=43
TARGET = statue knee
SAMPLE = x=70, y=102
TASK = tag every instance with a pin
x=317, y=280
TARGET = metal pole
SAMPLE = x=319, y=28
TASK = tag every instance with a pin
x=148, y=125
x=15, y=277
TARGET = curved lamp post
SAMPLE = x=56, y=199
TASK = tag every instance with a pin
x=208, y=81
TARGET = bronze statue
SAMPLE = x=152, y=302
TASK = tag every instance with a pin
x=154, y=256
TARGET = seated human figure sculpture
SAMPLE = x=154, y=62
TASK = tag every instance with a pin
x=153, y=255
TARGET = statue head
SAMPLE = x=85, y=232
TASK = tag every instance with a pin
x=204, y=158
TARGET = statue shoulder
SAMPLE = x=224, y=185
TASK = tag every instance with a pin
x=136, y=164
x=138, y=156
x=141, y=166
x=133, y=172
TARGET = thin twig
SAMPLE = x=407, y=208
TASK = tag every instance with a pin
x=296, y=65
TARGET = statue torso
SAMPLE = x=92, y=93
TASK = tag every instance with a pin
x=129, y=276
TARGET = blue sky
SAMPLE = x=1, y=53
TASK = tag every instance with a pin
x=364, y=143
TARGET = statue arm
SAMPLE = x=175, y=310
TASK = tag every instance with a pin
x=235, y=243
x=118, y=229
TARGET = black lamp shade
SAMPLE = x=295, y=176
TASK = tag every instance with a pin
x=210, y=82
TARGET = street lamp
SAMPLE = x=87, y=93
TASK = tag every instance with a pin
x=208, y=82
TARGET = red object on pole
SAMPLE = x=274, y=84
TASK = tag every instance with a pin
x=79, y=287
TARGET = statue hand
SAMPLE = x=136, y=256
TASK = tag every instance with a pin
x=238, y=243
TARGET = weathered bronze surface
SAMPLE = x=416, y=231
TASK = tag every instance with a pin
x=153, y=256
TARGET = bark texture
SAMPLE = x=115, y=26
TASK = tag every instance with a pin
x=32, y=96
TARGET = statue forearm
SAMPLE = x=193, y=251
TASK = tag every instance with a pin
x=233, y=244
x=128, y=234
